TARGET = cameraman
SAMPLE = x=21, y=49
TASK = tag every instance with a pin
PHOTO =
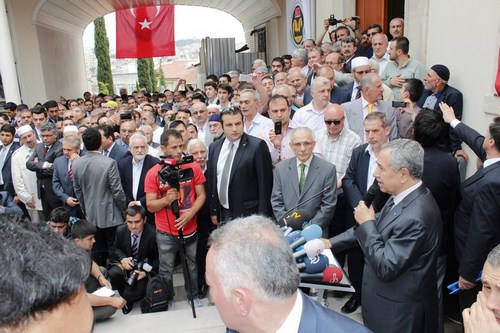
x=135, y=243
x=159, y=198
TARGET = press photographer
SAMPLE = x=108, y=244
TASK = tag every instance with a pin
x=136, y=251
x=167, y=184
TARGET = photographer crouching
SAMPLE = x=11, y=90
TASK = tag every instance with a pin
x=137, y=254
x=176, y=182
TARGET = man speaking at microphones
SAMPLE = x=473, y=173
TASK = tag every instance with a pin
x=253, y=295
x=305, y=182
x=400, y=245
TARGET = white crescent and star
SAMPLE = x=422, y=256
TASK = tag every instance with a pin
x=145, y=24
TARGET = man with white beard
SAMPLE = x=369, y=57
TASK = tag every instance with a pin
x=25, y=180
x=133, y=169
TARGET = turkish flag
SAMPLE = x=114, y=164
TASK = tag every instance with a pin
x=145, y=32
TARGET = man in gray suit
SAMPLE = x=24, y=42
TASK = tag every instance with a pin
x=370, y=101
x=99, y=190
x=306, y=181
x=401, y=245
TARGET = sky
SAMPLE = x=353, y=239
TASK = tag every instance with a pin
x=187, y=25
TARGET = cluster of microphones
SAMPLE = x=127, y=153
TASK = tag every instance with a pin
x=307, y=247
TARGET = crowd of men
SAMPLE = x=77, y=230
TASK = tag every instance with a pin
x=312, y=131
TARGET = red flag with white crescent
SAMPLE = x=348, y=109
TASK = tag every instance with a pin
x=145, y=32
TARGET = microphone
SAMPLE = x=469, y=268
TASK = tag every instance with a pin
x=313, y=265
x=293, y=236
x=373, y=191
x=287, y=231
x=284, y=220
x=296, y=219
x=310, y=232
x=311, y=249
x=330, y=275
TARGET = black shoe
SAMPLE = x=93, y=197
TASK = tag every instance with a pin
x=202, y=291
x=351, y=305
x=127, y=308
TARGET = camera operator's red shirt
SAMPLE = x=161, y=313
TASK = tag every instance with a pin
x=165, y=218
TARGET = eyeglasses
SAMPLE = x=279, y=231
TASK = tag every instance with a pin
x=372, y=34
x=368, y=71
x=335, y=122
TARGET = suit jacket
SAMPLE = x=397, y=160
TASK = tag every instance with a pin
x=8, y=185
x=337, y=95
x=453, y=98
x=399, y=277
x=251, y=179
x=442, y=178
x=354, y=182
x=97, y=185
x=126, y=176
x=62, y=184
x=318, y=319
x=477, y=227
x=354, y=113
x=44, y=176
x=147, y=246
x=118, y=152
x=286, y=195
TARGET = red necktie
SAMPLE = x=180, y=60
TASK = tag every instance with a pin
x=358, y=93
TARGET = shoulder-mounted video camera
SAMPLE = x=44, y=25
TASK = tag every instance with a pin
x=172, y=175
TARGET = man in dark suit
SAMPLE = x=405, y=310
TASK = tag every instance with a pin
x=133, y=170
x=337, y=95
x=477, y=230
x=62, y=180
x=400, y=245
x=109, y=147
x=300, y=178
x=42, y=163
x=255, y=296
x=98, y=189
x=241, y=186
x=7, y=148
x=436, y=91
x=135, y=242
x=442, y=178
x=358, y=178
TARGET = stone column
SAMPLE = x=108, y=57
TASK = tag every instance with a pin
x=7, y=62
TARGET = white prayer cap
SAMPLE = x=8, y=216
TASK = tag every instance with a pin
x=359, y=61
x=23, y=129
x=70, y=128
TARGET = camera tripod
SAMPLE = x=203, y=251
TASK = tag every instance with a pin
x=183, y=256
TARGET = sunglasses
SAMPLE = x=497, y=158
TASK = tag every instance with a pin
x=335, y=122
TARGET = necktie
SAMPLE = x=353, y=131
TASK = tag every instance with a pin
x=46, y=151
x=370, y=108
x=3, y=153
x=135, y=246
x=358, y=93
x=225, y=176
x=105, y=152
x=387, y=208
x=70, y=170
x=302, y=178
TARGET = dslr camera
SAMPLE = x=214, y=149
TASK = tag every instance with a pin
x=172, y=175
x=333, y=21
x=138, y=266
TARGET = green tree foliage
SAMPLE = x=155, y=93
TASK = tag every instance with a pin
x=152, y=75
x=101, y=48
x=162, y=82
x=143, y=74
